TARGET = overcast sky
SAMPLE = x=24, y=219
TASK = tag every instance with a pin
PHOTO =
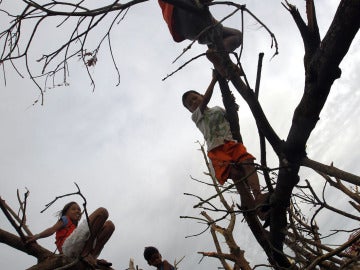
x=132, y=148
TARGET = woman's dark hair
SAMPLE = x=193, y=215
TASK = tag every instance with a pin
x=149, y=251
x=66, y=207
x=184, y=96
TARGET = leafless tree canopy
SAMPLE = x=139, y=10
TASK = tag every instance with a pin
x=306, y=244
x=288, y=224
x=83, y=16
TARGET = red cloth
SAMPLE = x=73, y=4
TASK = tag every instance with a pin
x=64, y=233
x=168, y=12
x=222, y=156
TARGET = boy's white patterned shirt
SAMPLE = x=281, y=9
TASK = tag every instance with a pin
x=213, y=125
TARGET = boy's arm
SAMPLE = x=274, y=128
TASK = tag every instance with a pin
x=209, y=92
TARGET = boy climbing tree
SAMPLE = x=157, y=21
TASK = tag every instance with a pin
x=191, y=19
x=229, y=158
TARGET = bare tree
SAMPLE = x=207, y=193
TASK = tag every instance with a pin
x=321, y=63
x=305, y=239
x=84, y=18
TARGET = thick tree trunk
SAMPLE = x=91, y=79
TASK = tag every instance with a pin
x=322, y=69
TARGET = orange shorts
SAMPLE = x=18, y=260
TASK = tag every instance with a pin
x=224, y=155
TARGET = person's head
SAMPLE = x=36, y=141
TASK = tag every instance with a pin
x=152, y=256
x=191, y=100
x=71, y=210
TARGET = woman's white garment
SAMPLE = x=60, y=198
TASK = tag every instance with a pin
x=75, y=243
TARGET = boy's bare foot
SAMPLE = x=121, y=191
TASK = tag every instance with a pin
x=103, y=262
x=215, y=58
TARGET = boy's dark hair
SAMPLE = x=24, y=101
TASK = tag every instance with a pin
x=149, y=252
x=184, y=96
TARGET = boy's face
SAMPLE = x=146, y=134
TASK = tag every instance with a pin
x=193, y=101
x=155, y=260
